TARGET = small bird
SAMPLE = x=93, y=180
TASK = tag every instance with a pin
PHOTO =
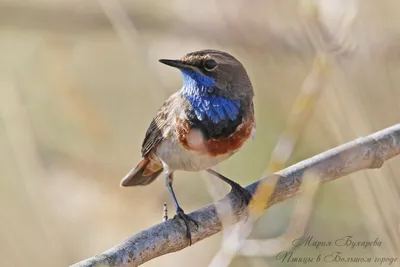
x=199, y=126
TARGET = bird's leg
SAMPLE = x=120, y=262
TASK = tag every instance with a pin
x=179, y=211
x=241, y=192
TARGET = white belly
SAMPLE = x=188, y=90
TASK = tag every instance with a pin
x=176, y=157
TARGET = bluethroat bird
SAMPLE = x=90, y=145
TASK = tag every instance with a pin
x=199, y=126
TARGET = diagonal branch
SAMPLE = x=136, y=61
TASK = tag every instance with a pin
x=169, y=236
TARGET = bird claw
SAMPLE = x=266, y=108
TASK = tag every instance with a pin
x=186, y=219
x=243, y=194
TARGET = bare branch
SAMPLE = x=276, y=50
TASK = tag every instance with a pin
x=169, y=236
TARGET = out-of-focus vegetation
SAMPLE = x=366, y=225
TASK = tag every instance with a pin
x=79, y=84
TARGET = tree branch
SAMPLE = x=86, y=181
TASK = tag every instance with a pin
x=169, y=236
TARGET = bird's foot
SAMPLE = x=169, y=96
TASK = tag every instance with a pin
x=186, y=219
x=242, y=193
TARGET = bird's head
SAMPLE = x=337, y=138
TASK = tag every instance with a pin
x=213, y=72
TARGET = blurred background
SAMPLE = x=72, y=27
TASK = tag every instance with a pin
x=80, y=83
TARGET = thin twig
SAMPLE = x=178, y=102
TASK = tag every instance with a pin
x=169, y=236
x=322, y=40
x=165, y=212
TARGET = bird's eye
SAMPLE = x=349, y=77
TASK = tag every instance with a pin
x=210, y=64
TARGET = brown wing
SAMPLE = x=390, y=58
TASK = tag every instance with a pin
x=160, y=123
x=153, y=137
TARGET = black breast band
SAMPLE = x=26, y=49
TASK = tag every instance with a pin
x=211, y=130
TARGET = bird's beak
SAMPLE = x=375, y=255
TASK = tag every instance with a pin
x=175, y=63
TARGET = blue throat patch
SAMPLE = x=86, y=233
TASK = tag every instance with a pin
x=199, y=90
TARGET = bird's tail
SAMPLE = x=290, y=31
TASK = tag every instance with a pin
x=143, y=174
